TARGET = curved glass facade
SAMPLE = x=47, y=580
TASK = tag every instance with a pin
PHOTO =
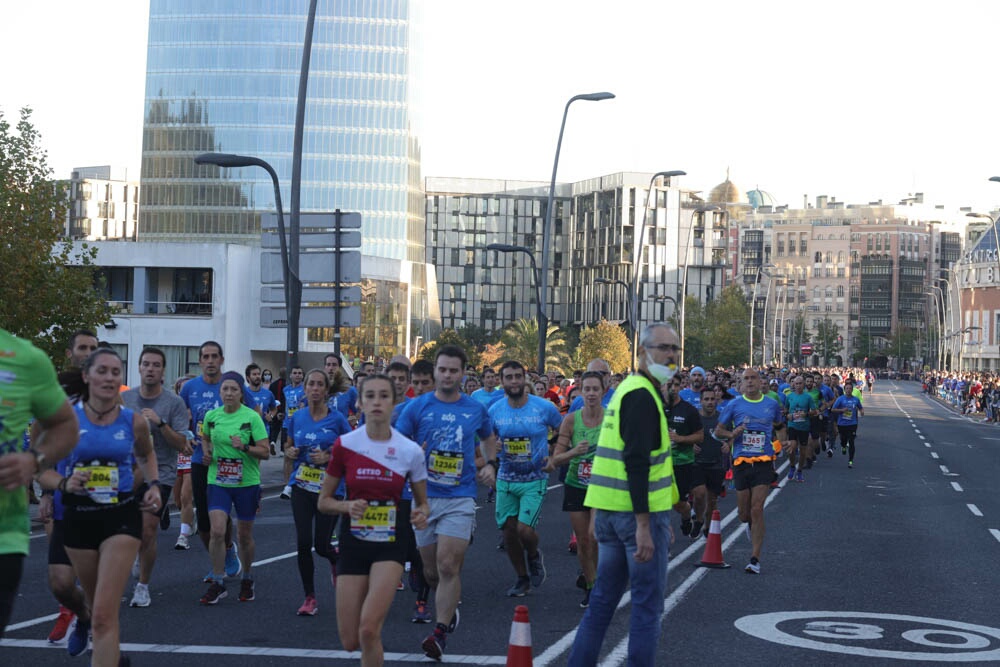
x=222, y=75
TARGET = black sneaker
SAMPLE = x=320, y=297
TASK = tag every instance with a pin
x=585, y=602
x=581, y=582
x=686, y=526
x=829, y=453
x=536, y=568
x=696, y=529
x=214, y=593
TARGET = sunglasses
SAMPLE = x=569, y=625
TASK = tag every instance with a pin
x=665, y=347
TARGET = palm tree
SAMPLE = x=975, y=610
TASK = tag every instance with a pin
x=520, y=341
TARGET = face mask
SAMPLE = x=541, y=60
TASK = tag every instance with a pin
x=661, y=372
x=267, y=378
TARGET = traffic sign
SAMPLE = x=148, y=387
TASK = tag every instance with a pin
x=350, y=294
x=314, y=267
x=806, y=348
x=272, y=317
x=348, y=239
x=313, y=221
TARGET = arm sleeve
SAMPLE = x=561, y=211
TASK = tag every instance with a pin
x=640, y=431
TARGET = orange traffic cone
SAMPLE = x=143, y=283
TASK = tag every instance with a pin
x=713, y=548
x=519, y=646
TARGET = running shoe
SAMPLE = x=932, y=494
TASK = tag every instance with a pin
x=182, y=543
x=286, y=493
x=140, y=596
x=753, y=567
x=799, y=477
x=455, y=618
x=829, y=453
x=696, y=529
x=208, y=578
x=214, y=593
x=536, y=568
x=309, y=607
x=572, y=544
x=585, y=602
x=581, y=581
x=491, y=495
x=434, y=645
x=401, y=586
x=686, y=526
x=520, y=588
x=850, y=464
x=791, y=473
x=233, y=564
x=500, y=545
x=274, y=452
x=246, y=590
x=78, y=638
x=63, y=622
x=421, y=614
x=843, y=450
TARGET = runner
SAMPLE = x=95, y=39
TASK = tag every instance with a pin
x=183, y=495
x=576, y=446
x=446, y=423
x=847, y=408
x=235, y=441
x=752, y=421
x=313, y=432
x=522, y=424
x=263, y=399
x=31, y=390
x=709, y=471
x=686, y=432
x=489, y=393
x=375, y=460
x=102, y=520
x=295, y=400
x=168, y=419
x=801, y=407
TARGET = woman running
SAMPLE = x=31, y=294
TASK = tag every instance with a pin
x=847, y=408
x=234, y=441
x=311, y=436
x=576, y=445
x=375, y=460
x=183, y=493
x=102, y=521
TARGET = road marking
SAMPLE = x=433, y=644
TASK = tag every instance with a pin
x=944, y=469
x=185, y=649
x=554, y=486
x=989, y=438
x=927, y=444
x=921, y=437
x=934, y=455
x=917, y=431
x=974, y=509
x=996, y=533
x=28, y=624
x=956, y=486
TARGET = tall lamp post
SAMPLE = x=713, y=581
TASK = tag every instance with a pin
x=289, y=262
x=637, y=258
x=543, y=323
x=547, y=224
x=663, y=298
x=753, y=307
x=684, y=279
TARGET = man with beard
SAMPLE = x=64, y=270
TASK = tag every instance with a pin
x=692, y=394
x=522, y=423
x=686, y=432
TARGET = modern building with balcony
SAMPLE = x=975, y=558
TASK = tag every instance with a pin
x=103, y=204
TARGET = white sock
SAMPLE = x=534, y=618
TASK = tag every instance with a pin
x=141, y=586
x=185, y=529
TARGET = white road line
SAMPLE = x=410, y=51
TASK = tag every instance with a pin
x=184, y=649
x=927, y=444
x=28, y=624
x=975, y=510
x=944, y=469
x=917, y=431
x=996, y=533
x=956, y=486
x=921, y=437
x=554, y=486
x=934, y=455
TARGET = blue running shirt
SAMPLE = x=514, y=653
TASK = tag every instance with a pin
x=758, y=417
x=524, y=437
x=851, y=404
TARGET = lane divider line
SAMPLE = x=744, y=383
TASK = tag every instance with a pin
x=975, y=510
x=957, y=486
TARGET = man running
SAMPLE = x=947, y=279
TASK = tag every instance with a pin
x=686, y=433
x=445, y=423
x=709, y=471
x=489, y=393
x=522, y=423
x=801, y=407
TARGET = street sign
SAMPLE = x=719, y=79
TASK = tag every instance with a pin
x=806, y=348
x=313, y=221
x=348, y=239
x=314, y=267
x=350, y=294
x=272, y=317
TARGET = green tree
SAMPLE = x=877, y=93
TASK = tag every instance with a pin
x=605, y=340
x=865, y=345
x=902, y=346
x=49, y=287
x=477, y=337
x=829, y=342
x=727, y=319
x=520, y=341
x=696, y=333
x=448, y=337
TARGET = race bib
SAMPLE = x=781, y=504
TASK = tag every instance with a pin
x=378, y=523
x=229, y=472
x=102, y=487
x=183, y=462
x=517, y=447
x=445, y=468
x=848, y=414
x=799, y=416
x=754, y=441
x=309, y=478
x=583, y=472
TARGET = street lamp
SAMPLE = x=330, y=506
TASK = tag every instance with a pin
x=684, y=279
x=663, y=298
x=753, y=306
x=637, y=256
x=540, y=312
x=629, y=313
x=547, y=224
x=936, y=331
x=289, y=260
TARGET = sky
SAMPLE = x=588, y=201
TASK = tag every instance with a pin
x=856, y=100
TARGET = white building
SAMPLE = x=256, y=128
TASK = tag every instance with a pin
x=103, y=204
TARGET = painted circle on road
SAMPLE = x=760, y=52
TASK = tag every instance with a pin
x=892, y=636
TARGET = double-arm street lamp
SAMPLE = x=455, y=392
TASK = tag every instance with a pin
x=547, y=224
x=629, y=313
x=539, y=310
x=289, y=255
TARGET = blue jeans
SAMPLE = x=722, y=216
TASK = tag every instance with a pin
x=616, y=570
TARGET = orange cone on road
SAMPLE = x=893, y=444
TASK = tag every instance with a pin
x=519, y=646
x=713, y=547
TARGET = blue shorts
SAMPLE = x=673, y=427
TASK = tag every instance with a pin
x=246, y=499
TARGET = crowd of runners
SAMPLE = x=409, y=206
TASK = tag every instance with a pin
x=383, y=467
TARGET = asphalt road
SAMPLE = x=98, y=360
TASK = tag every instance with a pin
x=892, y=562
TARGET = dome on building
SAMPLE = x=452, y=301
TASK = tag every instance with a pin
x=758, y=198
x=725, y=193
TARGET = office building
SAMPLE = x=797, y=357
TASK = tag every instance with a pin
x=103, y=204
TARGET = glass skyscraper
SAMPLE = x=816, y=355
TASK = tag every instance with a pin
x=222, y=75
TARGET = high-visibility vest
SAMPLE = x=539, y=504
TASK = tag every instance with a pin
x=608, y=488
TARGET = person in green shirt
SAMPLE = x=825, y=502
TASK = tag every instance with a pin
x=235, y=441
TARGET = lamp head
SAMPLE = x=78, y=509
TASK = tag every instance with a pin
x=226, y=160
x=595, y=97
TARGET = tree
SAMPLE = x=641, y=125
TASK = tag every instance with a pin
x=477, y=337
x=727, y=318
x=448, y=337
x=49, y=287
x=829, y=342
x=903, y=346
x=607, y=341
x=696, y=333
x=520, y=341
x=491, y=354
x=797, y=336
